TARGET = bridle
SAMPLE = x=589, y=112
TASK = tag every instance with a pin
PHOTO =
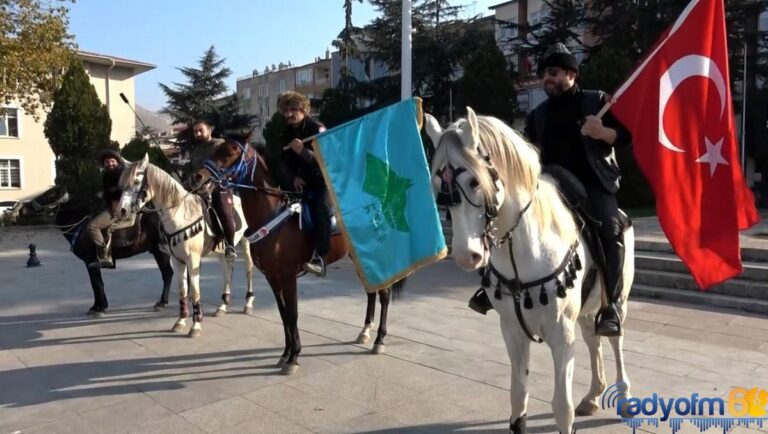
x=450, y=194
x=139, y=195
x=240, y=175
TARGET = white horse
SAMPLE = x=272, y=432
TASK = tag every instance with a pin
x=189, y=236
x=509, y=216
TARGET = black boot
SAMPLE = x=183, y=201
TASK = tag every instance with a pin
x=480, y=302
x=229, y=252
x=608, y=321
x=103, y=259
x=316, y=265
x=224, y=207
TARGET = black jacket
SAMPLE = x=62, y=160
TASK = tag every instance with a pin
x=110, y=190
x=555, y=127
x=292, y=165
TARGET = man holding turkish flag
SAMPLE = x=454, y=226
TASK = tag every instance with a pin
x=677, y=105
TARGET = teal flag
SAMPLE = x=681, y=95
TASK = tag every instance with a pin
x=379, y=182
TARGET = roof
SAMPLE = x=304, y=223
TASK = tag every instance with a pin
x=106, y=59
x=501, y=4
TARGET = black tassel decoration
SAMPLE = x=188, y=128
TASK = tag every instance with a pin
x=497, y=293
x=560, y=288
x=186, y=236
x=577, y=261
x=568, y=280
x=528, y=303
x=543, y=299
x=485, y=282
x=571, y=268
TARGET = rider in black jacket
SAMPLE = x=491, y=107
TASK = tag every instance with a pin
x=300, y=171
x=112, y=164
x=582, y=143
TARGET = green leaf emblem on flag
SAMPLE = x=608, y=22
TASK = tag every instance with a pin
x=390, y=188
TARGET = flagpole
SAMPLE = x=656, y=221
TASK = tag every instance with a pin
x=744, y=114
x=405, y=53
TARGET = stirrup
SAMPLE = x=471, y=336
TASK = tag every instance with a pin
x=316, y=266
x=480, y=302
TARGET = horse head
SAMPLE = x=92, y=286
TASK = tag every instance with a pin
x=466, y=185
x=230, y=161
x=136, y=190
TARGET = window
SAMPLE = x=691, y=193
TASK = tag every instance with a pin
x=281, y=86
x=10, y=173
x=247, y=93
x=9, y=122
x=304, y=77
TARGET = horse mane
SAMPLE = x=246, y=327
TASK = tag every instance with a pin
x=519, y=168
x=163, y=185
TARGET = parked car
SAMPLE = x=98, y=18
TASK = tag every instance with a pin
x=42, y=206
x=5, y=205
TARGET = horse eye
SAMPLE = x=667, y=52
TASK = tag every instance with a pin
x=473, y=183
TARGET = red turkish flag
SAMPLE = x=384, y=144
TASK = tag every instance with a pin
x=678, y=106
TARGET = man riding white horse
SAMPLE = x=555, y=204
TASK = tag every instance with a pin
x=568, y=134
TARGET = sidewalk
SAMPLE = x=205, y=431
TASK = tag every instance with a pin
x=445, y=367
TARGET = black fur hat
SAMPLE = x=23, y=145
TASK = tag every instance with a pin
x=109, y=152
x=558, y=55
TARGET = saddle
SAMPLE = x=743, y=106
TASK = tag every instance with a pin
x=307, y=223
x=574, y=195
x=212, y=221
x=124, y=232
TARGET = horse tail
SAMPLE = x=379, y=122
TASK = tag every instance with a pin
x=397, y=288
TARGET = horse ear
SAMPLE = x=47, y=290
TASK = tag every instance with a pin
x=144, y=162
x=433, y=129
x=468, y=131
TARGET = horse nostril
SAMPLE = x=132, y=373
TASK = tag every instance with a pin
x=476, y=258
x=198, y=177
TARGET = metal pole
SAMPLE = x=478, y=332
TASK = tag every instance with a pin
x=405, y=54
x=744, y=114
x=154, y=139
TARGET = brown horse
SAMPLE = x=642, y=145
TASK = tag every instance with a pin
x=281, y=251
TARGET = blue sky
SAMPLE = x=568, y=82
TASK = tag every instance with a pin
x=249, y=34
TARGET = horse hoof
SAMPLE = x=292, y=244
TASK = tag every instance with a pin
x=586, y=408
x=99, y=314
x=378, y=348
x=362, y=338
x=194, y=333
x=160, y=306
x=290, y=369
x=248, y=310
x=178, y=328
x=219, y=313
x=623, y=411
x=281, y=361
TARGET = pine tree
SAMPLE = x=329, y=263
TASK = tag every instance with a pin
x=76, y=128
x=196, y=99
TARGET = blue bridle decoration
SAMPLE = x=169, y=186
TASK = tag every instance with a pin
x=233, y=176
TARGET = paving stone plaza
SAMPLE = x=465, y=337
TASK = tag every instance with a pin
x=445, y=368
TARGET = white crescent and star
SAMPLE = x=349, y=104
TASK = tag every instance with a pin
x=686, y=67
